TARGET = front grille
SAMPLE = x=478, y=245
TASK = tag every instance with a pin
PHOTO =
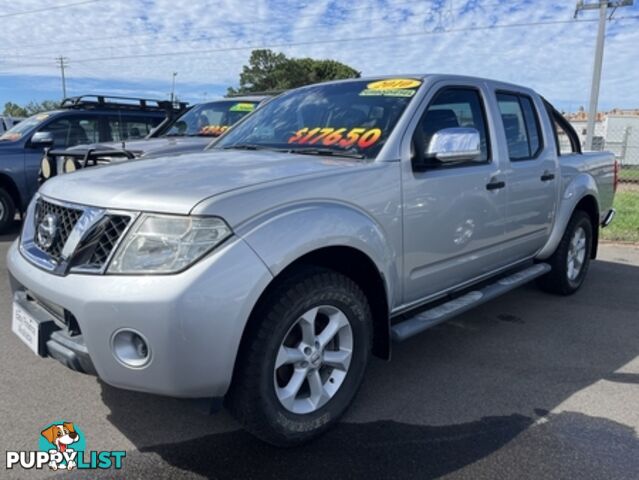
x=94, y=250
x=65, y=218
x=113, y=229
x=99, y=235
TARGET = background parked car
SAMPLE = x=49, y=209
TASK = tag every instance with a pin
x=85, y=119
x=6, y=122
x=192, y=131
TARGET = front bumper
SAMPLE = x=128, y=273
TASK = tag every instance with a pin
x=193, y=321
x=55, y=341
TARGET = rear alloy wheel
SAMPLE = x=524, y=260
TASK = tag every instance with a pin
x=303, y=359
x=576, y=254
x=571, y=260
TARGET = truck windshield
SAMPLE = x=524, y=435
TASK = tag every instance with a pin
x=24, y=127
x=352, y=118
x=209, y=119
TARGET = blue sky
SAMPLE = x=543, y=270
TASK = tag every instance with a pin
x=131, y=47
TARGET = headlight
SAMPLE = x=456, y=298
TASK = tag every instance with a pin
x=167, y=243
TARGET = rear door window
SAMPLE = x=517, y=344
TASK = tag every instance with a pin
x=90, y=129
x=138, y=127
x=565, y=136
x=563, y=141
x=129, y=128
x=521, y=126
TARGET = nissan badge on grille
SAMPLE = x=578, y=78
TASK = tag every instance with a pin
x=47, y=230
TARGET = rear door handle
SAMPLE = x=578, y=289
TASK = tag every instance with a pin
x=495, y=185
x=547, y=176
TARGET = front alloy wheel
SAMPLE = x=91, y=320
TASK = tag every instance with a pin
x=310, y=366
x=303, y=357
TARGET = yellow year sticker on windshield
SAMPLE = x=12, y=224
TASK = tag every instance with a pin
x=243, y=107
x=214, y=130
x=340, y=137
x=391, y=87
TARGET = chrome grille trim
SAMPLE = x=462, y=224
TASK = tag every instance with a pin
x=66, y=256
x=67, y=216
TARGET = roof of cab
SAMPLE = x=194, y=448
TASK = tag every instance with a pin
x=431, y=77
x=247, y=98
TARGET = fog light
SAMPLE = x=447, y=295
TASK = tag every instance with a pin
x=45, y=167
x=130, y=348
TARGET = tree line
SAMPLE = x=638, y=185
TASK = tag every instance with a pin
x=270, y=71
x=266, y=71
x=31, y=108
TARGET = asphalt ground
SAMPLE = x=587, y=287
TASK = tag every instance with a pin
x=528, y=386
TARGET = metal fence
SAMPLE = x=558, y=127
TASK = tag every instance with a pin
x=622, y=138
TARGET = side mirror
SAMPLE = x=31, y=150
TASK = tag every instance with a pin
x=454, y=145
x=42, y=139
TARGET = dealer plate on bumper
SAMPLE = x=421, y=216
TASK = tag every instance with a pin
x=26, y=328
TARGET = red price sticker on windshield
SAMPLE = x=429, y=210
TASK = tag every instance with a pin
x=214, y=130
x=341, y=137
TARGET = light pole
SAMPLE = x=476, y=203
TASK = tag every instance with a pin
x=62, y=61
x=173, y=87
x=603, y=6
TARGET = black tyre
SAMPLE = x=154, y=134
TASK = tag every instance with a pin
x=304, y=359
x=571, y=260
x=7, y=211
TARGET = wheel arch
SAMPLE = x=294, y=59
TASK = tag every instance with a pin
x=582, y=194
x=590, y=206
x=7, y=183
x=350, y=262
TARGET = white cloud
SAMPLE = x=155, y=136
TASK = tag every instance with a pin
x=554, y=59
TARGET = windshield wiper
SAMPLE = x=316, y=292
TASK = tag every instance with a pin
x=251, y=146
x=303, y=151
x=325, y=151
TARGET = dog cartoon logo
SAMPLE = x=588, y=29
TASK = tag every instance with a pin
x=62, y=446
x=61, y=436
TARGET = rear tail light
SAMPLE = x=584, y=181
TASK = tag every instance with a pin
x=615, y=178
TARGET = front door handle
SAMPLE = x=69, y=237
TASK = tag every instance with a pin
x=495, y=185
x=547, y=176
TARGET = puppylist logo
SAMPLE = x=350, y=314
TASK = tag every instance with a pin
x=62, y=446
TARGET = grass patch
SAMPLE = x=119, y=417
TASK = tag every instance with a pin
x=629, y=174
x=625, y=226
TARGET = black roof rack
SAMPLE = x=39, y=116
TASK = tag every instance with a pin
x=121, y=103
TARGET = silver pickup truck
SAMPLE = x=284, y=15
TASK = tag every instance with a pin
x=338, y=218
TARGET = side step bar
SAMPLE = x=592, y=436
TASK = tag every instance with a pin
x=429, y=318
